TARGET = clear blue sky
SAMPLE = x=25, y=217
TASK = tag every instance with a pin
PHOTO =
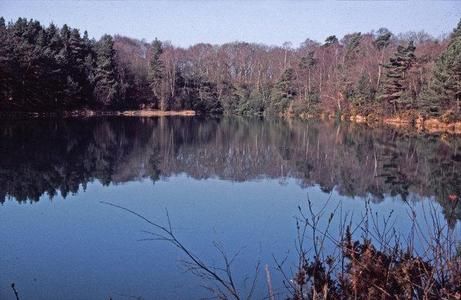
x=188, y=22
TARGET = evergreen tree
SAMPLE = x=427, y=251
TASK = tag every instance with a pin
x=352, y=43
x=395, y=86
x=363, y=93
x=381, y=42
x=89, y=61
x=106, y=88
x=56, y=67
x=382, y=39
x=346, y=82
x=284, y=92
x=331, y=40
x=5, y=63
x=156, y=74
x=180, y=98
x=444, y=90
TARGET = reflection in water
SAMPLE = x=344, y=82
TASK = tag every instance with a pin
x=48, y=156
x=257, y=172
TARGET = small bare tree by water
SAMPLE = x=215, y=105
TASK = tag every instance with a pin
x=219, y=281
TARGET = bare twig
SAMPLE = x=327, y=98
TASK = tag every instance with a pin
x=16, y=294
x=223, y=277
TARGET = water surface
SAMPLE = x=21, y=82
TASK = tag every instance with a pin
x=237, y=182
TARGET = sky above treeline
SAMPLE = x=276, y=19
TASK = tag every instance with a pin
x=188, y=22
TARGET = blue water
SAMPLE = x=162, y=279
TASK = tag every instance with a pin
x=76, y=247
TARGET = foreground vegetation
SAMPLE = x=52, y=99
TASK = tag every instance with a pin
x=367, y=259
x=372, y=74
x=372, y=261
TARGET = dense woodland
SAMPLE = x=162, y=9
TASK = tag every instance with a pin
x=47, y=68
x=350, y=159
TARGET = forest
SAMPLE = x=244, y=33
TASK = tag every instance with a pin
x=50, y=68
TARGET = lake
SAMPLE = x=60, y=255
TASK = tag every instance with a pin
x=233, y=182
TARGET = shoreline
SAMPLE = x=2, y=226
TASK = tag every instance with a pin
x=101, y=113
x=428, y=125
x=420, y=124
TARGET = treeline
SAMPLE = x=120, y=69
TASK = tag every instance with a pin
x=51, y=68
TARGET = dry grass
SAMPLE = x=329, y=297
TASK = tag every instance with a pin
x=378, y=265
x=157, y=113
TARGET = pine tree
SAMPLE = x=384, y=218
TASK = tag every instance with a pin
x=284, y=92
x=331, y=40
x=89, y=63
x=56, y=67
x=179, y=84
x=156, y=74
x=363, y=93
x=106, y=86
x=5, y=63
x=352, y=43
x=76, y=76
x=444, y=91
x=381, y=42
x=396, y=84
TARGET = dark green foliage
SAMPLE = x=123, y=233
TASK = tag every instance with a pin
x=352, y=43
x=45, y=68
x=331, y=40
x=383, y=38
x=395, y=87
x=362, y=95
x=5, y=64
x=284, y=92
x=106, y=86
x=206, y=97
x=242, y=100
x=252, y=103
x=156, y=74
x=444, y=91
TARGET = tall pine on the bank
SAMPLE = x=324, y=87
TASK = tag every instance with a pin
x=382, y=41
x=156, y=74
x=395, y=86
x=444, y=91
x=106, y=88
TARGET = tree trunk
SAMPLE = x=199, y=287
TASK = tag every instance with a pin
x=380, y=70
x=457, y=103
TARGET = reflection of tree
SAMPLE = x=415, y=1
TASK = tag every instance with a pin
x=50, y=156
